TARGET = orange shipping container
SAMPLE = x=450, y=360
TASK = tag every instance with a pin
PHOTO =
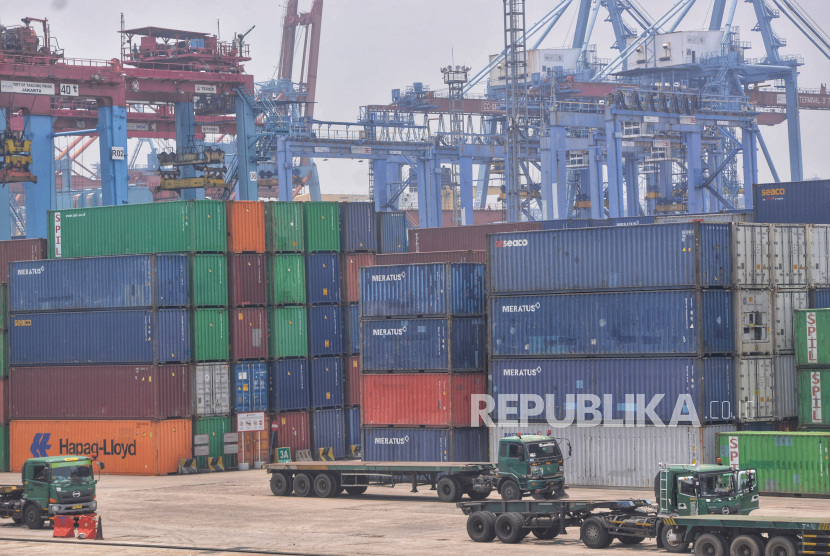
x=246, y=227
x=126, y=447
x=255, y=445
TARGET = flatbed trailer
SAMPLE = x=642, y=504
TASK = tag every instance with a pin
x=452, y=480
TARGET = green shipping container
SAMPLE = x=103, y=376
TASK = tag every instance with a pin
x=286, y=279
x=209, y=280
x=321, y=222
x=215, y=428
x=284, y=227
x=4, y=354
x=813, y=397
x=176, y=227
x=4, y=448
x=210, y=335
x=287, y=332
x=787, y=462
x=812, y=337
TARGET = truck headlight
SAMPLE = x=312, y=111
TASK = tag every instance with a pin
x=93, y=505
x=54, y=508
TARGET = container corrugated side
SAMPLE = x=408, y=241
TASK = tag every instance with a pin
x=209, y=280
x=329, y=434
x=623, y=456
x=755, y=389
x=287, y=332
x=814, y=397
x=351, y=380
x=432, y=257
x=327, y=382
x=284, y=227
x=391, y=232
x=786, y=303
x=132, y=447
x=428, y=445
x=795, y=202
x=5, y=400
x=246, y=226
x=352, y=418
x=820, y=298
x=351, y=322
x=248, y=332
x=786, y=387
x=210, y=334
x=293, y=431
x=251, y=386
x=325, y=330
x=473, y=238
x=290, y=390
x=350, y=265
x=789, y=256
x=718, y=389
x=19, y=250
x=215, y=427
x=211, y=389
x=286, y=279
x=4, y=448
x=754, y=321
x=357, y=227
x=321, y=222
x=787, y=463
x=812, y=338
x=247, y=280
x=635, y=257
x=752, y=257
x=100, y=392
x=323, y=278
x=818, y=250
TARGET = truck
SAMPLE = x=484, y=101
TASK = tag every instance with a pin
x=54, y=485
x=680, y=490
x=527, y=464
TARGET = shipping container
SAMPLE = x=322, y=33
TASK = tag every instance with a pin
x=350, y=265
x=814, y=398
x=351, y=380
x=391, y=227
x=752, y=260
x=787, y=463
x=430, y=399
x=628, y=257
x=100, y=392
x=4, y=353
x=789, y=256
x=329, y=434
x=755, y=389
x=125, y=447
x=293, y=431
x=708, y=217
x=422, y=290
x=327, y=382
x=432, y=257
x=786, y=303
x=575, y=223
x=753, y=322
x=351, y=322
x=125, y=282
x=625, y=457
x=210, y=335
x=286, y=279
x=666, y=322
x=287, y=332
x=251, y=386
x=325, y=330
x=253, y=447
x=323, y=278
x=795, y=202
x=454, y=344
x=248, y=331
x=5, y=401
x=209, y=281
x=427, y=445
x=19, y=250
x=820, y=298
x=785, y=398
x=215, y=428
x=357, y=227
x=247, y=280
x=812, y=338
x=818, y=253
x=284, y=227
x=4, y=448
x=289, y=380
x=100, y=337
x=175, y=227
x=321, y=222
x=246, y=226
x=352, y=418
x=211, y=389
x=463, y=238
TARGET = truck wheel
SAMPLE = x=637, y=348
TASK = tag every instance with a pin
x=478, y=495
x=510, y=491
x=546, y=533
x=481, y=526
x=631, y=540
x=746, y=545
x=781, y=546
x=594, y=533
x=449, y=490
x=303, y=485
x=32, y=517
x=281, y=484
x=509, y=528
x=355, y=490
x=675, y=546
x=324, y=485
x=711, y=544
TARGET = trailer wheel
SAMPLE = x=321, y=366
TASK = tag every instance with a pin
x=303, y=485
x=631, y=540
x=449, y=490
x=281, y=484
x=675, y=546
x=481, y=526
x=781, y=546
x=32, y=517
x=594, y=533
x=325, y=485
x=509, y=528
x=355, y=490
x=510, y=491
x=546, y=533
x=711, y=544
x=746, y=545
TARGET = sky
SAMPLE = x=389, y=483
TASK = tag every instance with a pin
x=369, y=47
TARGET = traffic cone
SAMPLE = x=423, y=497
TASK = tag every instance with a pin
x=99, y=535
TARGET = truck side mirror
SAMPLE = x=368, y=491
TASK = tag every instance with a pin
x=100, y=464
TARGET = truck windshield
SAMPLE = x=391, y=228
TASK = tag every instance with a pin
x=76, y=473
x=543, y=450
x=721, y=484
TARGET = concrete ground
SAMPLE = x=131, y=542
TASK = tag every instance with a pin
x=236, y=513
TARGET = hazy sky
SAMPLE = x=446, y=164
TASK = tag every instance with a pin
x=370, y=47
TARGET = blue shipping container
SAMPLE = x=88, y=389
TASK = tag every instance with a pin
x=422, y=289
x=456, y=344
x=625, y=323
x=327, y=382
x=821, y=299
x=328, y=434
x=111, y=337
x=434, y=445
x=351, y=319
x=357, y=227
x=323, y=278
x=610, y=258
x=130, y=281
x=251, y=385
x=352, y=417
x=325, y=330
x=289, y=385
x=631, y=383
x=392, y=236
x=576, y=223
x=795, y=202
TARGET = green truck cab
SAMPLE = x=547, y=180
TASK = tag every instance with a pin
x=55, y=485
x=531, y=464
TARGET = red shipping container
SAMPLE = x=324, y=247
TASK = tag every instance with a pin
x=430, y=399
x=19, y=250
x=432, y=257
x=4, y=401
x=100, y=392
x=246, y=226
x=462, y=238
x=351, y=381
x=293, y=431
x=350, y=265
x=249, y=333
x=246, y=280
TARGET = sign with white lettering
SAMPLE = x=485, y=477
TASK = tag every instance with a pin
x=361, y=150
x=27, y=88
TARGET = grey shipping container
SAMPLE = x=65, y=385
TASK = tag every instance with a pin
x=357, y=227
x=755, y=389
x=211, y=389
x=786, y=302
x=785, y=400
x=789, y=256
x=754, y=322
x=391, y=228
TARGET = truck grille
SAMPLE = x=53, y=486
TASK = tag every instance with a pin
x=733, y=510
x=67, y=497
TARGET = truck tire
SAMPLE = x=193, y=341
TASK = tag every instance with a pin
x=672, y=546
x=510, y=491
x=478, y=495
x=32, y=517
x=355, y=490
x=481, y=526
x=281, y=484
x=449, y=490
x=631, y=540
x=594, y=534
x=746, y=545
x=546, y=533
x=17, y=520
x=781, y=546
x=303, y=485
x=509, y=528
x=711, y=544
x=325, y=485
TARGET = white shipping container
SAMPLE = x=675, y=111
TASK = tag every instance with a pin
x=818, y=252
x=623, y=456
x=681, y=47
x=789, y=255
x=212, y=390
x=751, y=255
x=754, y=319
x=785, y=303
x=755, y=389
x=542, y=61
x=786, y=390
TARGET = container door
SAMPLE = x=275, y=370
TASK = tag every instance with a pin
x=819, y=266
x=790, y=256
x=752, y=256
x=754, y=318
x=243, y=390
x=204, y=390
x=785, y=303
x=260, y=393
x=755, y=389
x=221, y=390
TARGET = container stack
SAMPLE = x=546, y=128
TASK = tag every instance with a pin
x=422, y=356
x=812, y=354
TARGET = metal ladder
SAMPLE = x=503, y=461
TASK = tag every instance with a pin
x=664, y=488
